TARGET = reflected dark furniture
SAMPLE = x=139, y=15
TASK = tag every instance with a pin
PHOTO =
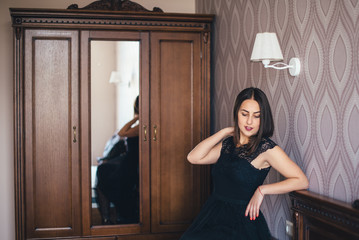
x=323, y=218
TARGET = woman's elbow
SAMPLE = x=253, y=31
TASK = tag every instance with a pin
x=304, y=183
x=192, y=159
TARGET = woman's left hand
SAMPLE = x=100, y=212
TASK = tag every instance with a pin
x=254, y=205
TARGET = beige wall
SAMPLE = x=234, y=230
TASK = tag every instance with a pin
x=183, y=6
x=7, y=216
x=103, y=96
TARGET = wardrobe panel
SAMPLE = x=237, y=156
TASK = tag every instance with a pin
x=51, y=148
x=174, y=116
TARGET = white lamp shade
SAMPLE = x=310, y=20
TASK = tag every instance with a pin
x=266, y=47
x=115, y=77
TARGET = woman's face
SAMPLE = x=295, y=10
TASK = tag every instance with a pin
x=248, y=119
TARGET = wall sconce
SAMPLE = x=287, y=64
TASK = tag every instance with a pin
x=115, y=77
x=266, y=48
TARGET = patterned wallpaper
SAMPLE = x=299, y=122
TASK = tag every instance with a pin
x=317, y=113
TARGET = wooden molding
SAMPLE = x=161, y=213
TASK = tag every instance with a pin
x=317, y=214
x=109, y=20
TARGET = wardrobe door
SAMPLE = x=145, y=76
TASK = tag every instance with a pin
x=177, y=118
x=51, y=127
x=94, y=129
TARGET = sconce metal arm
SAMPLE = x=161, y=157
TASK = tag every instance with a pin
x=293, y=66
x=278, y=66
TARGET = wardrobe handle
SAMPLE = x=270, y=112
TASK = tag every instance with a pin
x=145, y=129
x=155, y=133
x=74, y=128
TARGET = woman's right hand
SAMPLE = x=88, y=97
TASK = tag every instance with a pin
x=229, y=130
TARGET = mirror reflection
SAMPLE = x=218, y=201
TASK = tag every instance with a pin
x=114, y=132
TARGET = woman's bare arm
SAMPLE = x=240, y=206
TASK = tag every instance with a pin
x=208, y=151
x=128, y=130
x=295, y=180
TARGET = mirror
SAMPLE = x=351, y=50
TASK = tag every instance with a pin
x=114, y=154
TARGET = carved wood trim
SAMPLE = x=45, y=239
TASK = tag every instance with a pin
x=18, y=33
x=116, y=5
x=18, y=135
x=333, y=213
x=107, y=22
x=331, y=216
x=205, y=37
x=89, y=19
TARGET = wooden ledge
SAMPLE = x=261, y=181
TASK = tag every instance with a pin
x=318, y=215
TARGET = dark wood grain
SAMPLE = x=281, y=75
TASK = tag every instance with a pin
x=321, y=217
x=52, y=95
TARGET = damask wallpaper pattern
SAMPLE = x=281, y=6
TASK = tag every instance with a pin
x=317, y=113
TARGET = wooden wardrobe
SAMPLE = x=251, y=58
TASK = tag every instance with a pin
x=52, y=106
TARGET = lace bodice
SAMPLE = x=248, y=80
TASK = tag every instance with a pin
x=234, y=176
x=242, y=152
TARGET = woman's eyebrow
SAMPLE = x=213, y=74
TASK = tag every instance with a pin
x=248, y=111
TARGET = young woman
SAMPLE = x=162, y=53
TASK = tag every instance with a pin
x=242, y=156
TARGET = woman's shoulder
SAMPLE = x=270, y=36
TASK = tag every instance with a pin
x=266, y=144
x=227, y=143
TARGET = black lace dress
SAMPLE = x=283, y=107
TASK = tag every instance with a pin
x=235, y=180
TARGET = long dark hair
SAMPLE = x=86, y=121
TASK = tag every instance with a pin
x=266, y=126
x=136, y=106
